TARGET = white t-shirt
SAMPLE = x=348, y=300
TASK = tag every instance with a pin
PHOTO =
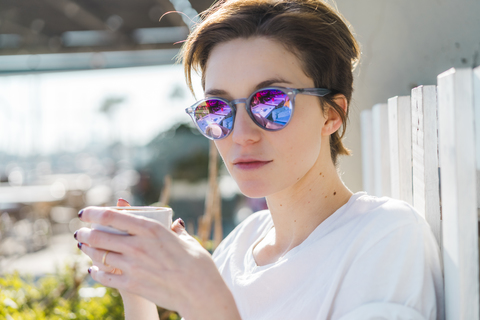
x=374, y=258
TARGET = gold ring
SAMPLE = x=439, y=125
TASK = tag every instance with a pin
x=105, y=257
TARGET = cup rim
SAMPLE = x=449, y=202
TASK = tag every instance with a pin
x=140, y=208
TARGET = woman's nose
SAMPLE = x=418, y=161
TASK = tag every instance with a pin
x=245, y=131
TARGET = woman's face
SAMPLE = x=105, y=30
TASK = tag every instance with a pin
x=265, y=162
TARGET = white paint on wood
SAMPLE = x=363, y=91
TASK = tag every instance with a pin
x=426, y=188
x=381, y=150
x=376, y=151
x=476, y=102
x=458, y=193
x=367, y=150
x=401, y=147
x=393, y=143
x=385, y=151
x=418, y=153
x=405, y=148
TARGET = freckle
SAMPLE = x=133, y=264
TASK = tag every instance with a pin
x=308, y=201
x=281, y=205
x=310, y=189
x=298, y=178
x=335, y=192
x=320, y=174
x=325, y=197
x=294, y=220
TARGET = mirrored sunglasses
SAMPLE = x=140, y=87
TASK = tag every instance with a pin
x=270, y=108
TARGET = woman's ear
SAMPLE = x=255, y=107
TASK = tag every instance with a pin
x=333, y=121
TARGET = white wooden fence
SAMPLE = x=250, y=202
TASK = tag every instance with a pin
x=425, y=149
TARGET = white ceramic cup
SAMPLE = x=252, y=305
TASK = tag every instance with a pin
x=160, y=214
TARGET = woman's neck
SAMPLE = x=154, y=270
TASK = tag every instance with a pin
x=297, y=211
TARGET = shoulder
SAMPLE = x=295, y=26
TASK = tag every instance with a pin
x=387, y=208
x=375, y=219
x=393, y=252
x=386, y=212
x=246, y=233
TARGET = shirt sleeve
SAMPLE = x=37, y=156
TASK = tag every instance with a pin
x=395, y=278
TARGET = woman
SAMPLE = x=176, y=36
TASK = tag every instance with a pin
x=320, y=251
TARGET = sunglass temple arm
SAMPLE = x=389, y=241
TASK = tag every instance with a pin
x=319, y=92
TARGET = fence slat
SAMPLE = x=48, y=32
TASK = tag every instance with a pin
x=400, y=136
x=393, y=143
x=476, y=102
x=381, y=150
x=367, y=150
x=426, y=191
x=418, y=150
x=458, y=193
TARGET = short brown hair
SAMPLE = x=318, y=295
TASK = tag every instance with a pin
x=314, y=31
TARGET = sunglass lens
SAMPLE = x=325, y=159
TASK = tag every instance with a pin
x=214, y=118
x=271, y=109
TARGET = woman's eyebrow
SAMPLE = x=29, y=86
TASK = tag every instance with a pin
x=215, y=92
x=269, y=82
x=263, y=84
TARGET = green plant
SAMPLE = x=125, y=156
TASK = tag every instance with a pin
x=59, y=296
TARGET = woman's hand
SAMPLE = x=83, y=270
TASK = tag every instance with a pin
x=99, y=264
x=135, y=306
x=165, y=266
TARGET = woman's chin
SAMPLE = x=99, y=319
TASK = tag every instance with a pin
x=254, y=191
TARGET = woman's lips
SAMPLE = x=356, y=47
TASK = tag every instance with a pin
x=250, y=164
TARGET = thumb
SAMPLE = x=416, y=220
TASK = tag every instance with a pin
x=178, y=226
x=123, y=203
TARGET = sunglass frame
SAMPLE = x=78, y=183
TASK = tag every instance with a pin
x=291, y=93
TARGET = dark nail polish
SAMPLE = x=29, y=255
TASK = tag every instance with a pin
x=79, y=245
x=181, y=222
x=80, y=214
x=90, y=270
x=75, y=235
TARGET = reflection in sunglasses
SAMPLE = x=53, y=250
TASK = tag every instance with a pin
x=216, y=131
x=215, y=118
x=271, y=109
x=278, y=112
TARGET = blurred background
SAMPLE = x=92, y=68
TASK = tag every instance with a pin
x=92, y=108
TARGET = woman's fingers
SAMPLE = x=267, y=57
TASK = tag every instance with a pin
x=108, y=269
x=108, y=264
x=98, y=256
x=123, y=203
x=106, y=278
x=111, y=270
x=104, y=240
x=178, y=226
x=121, y=221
